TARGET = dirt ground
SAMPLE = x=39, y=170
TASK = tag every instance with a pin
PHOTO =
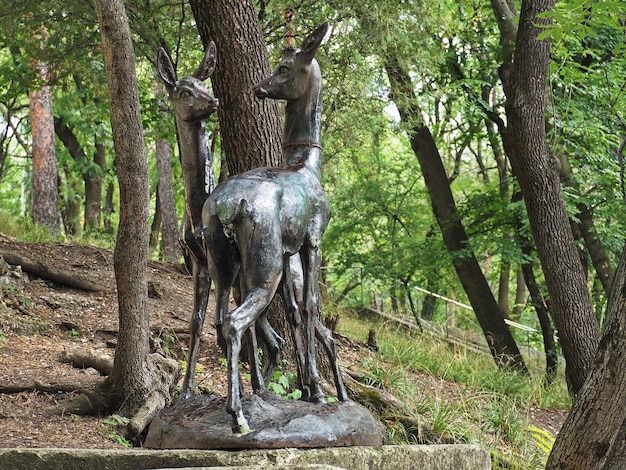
x=41, y=320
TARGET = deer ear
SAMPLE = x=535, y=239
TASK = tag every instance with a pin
x=207, y=66
x=166, y=68
x=313, y=41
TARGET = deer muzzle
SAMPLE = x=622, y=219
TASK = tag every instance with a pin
x=259, y=88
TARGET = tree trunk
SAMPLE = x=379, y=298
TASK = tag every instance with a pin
x=165, y=193
x=157, y=220
x=503, y=288
x=520, y=295
x=70, y=213
x=537, y=172
x=594, y=433
x=250, y=128
x=595, y=248
x=134, y=379
x=490, y=317
x=541, y=306
x=93, y=187
x=91, y=176
x=108, y=207
x=44, y=197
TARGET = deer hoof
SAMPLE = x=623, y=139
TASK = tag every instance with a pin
x=240, y=424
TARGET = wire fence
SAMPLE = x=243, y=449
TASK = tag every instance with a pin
x=401, y=311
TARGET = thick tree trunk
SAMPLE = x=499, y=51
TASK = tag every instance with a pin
x=490, y=317
x=44, y=197
x=537, y=172
x=594, y=434
x=135, y=378
x=250, y=128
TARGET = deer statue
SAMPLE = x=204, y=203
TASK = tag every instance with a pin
x=193, y=105
x=255, y=222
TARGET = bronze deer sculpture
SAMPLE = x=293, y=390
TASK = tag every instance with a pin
x=256, y=221
x=192, y=105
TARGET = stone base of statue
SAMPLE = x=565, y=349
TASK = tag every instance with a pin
x=201, y=422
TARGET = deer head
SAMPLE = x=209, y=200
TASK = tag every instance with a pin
x=291, y=79
x=190, y=96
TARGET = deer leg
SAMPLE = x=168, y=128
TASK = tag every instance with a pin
x=256, y=376
x=236, y=323
x=312, y=259
x=292, y=284
x=274, y=344
x=223, y=264
x=325, y=336
x=201, y=286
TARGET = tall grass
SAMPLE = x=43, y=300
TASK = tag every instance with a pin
x=24, y=229
x=472, y=400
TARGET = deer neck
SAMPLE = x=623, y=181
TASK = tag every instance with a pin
x=195, y=158
x=303, y=122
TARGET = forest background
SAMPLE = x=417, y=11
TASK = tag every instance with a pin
x=392, y=70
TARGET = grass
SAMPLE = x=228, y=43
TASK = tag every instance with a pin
x=474, y=402
x=24, y=229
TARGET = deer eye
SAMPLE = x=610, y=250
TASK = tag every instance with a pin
x=184, y=94
x=283, y=69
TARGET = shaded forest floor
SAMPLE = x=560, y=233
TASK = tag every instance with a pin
x=42, y=321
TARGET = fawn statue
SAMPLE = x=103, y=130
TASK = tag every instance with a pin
x=254, y=223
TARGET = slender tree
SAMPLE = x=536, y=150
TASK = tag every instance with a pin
x=140, y=383
x=537, y=170
x=44, y=197
x=490, y=317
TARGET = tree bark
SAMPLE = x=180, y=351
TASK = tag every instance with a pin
x=490, y=317
x=135, y=376
x=44, y=197
x=250, y=128
x=537, y=172
x=594, y=433
x=540, y=304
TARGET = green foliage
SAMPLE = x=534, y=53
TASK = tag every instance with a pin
x=282, y=385
x=543, y=439
x=23, y=228
x=75, y=334
x=117, y=422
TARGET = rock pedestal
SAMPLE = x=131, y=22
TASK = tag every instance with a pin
x=201, y=422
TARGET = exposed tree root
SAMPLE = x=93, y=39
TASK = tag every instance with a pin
x=37, y=386
x=44, y=271
x=154, y=403
x=84, y=359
